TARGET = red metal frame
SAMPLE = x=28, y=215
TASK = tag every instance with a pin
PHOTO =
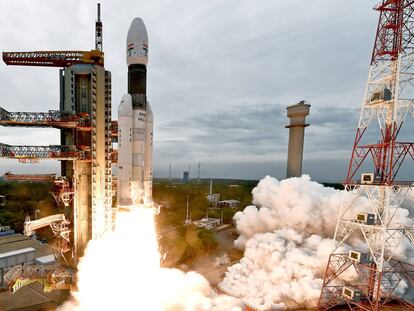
x=43, y=152
x=52, y=118
x=394, y=36
x=377, y=293
x=53, y=58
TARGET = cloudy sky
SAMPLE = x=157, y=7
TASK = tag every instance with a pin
x=221, y=74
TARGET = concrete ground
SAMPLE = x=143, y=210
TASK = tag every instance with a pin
x=32, y=298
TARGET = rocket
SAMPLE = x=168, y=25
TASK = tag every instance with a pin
x=135, y=125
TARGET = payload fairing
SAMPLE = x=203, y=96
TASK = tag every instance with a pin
x=135, y=125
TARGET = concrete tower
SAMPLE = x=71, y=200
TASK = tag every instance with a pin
x=297, y=115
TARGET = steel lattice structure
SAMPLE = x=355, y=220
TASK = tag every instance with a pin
x=52, y=118
x=368, y=278
x=53, y=58
x=389, y=84
x=62, y=191
x=56, y=152
x=54, y=277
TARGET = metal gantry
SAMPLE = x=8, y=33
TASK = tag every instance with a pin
x=56, y=152
x=369, y=275
x=52, y=118
x=54, y=58
x=84, y=120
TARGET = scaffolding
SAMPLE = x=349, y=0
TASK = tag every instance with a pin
x=54, y=58
x=52, y=118
x=55, y=152
x=8, y=176
x=52, y=277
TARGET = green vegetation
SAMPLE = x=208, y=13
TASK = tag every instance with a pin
x=176, y=196
x=24, y=199
x=182, y=243
x=185, y=243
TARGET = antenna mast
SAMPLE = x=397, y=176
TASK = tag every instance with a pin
x=98, y=30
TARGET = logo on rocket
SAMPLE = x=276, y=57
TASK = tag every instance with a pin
x=135, y=125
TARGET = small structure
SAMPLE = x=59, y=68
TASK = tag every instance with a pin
x=23, y=256
x=2, y=200
x=359, y=257
x=45, y=260
x=213, y=199
x=186, y=177
x=187, y=212
x=5, y=230
x=208, y=223
x=19, y=250
x=229, y=203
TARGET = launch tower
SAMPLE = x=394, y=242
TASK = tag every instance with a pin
x=84, y=120
x=368, y=278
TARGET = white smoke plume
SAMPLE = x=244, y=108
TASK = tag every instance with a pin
x=296, y=203
x=287, y=242
x=280, y=270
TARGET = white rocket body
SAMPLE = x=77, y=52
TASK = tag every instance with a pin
x=135, y=126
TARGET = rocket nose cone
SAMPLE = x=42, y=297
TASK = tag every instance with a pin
x=137, y=43
x=137, y=27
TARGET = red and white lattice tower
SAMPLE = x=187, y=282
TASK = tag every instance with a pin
x=369, y=276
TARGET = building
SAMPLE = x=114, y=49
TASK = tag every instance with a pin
x=229, y=203
x=5, y=230
x=17, y=250
x=213, y=199
x=208, y=223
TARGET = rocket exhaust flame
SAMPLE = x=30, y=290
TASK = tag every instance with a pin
x=121, y=271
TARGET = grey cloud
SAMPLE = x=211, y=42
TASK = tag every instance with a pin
x=212, y=66
x=257, y=131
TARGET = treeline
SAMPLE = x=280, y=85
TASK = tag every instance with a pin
x=23, y=199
